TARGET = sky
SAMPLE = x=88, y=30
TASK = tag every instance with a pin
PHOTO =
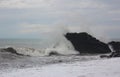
x=36, y=18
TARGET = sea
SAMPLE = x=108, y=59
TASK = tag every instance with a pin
x=30, y=43
x=39, y=47
x=35, y=53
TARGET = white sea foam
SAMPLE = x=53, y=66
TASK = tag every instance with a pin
x=57, y=43
x=53, y=41
x=60, y=45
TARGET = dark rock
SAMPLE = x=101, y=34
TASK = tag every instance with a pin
x=116, y=47
x=104, y=56
x=60, y=61
x=115, y=54
x=53, y=53
x=85, y=43
x=11, y=50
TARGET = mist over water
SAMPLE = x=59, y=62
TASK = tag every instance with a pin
x=55, y=42
x=52, y=41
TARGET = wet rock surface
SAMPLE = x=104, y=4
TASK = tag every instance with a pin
x=115, y=45
x=85, y=43
x=11, y=50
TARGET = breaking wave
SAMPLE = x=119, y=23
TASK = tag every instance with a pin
x=58, y=44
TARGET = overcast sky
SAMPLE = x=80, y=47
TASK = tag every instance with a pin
x=35, y=18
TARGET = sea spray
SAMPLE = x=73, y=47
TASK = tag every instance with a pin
x=55, y=42
x=62, y=46
x=92, y=30
x=111, y=48
x=59, y=43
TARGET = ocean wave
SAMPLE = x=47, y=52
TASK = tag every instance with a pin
x=39, y=52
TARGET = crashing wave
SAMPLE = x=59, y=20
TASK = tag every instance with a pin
x=59, y=46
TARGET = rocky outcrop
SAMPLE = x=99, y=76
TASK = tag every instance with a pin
x=116, y=47
x=53, y=53
x=11, y=50
x=85, y=43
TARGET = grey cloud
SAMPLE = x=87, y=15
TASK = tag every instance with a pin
x=100, y=15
